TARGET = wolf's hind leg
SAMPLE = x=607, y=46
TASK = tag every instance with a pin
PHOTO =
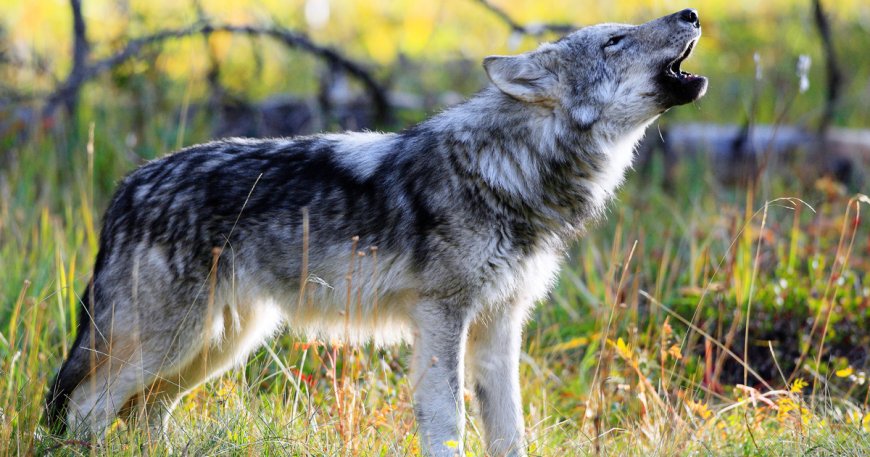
x=113, y=373
x=151, y=406
x=127, y=353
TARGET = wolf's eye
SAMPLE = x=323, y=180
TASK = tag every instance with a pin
x=614, y=41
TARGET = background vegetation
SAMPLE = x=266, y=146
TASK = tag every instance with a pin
x=699, y=318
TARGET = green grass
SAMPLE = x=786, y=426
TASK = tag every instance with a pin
x=625, y=358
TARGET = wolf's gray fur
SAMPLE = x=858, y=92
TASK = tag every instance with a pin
x=470, y=212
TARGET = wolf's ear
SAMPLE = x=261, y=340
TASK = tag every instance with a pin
x=524, y=77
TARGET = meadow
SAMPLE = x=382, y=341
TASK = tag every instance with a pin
x=697, y=319
x=640, y=349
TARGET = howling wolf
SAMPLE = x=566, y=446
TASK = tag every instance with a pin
x=444, y=236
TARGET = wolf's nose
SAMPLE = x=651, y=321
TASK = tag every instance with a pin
x=691, y=16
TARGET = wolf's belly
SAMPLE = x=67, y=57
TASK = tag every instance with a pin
x=371, y=301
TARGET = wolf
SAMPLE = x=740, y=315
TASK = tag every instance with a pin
x=444, y=235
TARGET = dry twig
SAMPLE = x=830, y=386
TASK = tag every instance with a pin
x=536, y=29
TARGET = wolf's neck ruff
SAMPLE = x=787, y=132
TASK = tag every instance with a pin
x=533, y=164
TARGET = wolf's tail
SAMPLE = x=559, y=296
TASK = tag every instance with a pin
x=74, y=370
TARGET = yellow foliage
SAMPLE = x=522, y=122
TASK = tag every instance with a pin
x=675, y=352
x=798, y=385
x=417, y=28
x=667, y=330
x=699, y=409
x=860, y=419
x=380, y=44
x=787, y=408
x=412, y=444
x=845, y=372
x=226, y=387
x=622, y=348
x=573, y=343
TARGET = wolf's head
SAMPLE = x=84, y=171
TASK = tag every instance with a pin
x=612, y=73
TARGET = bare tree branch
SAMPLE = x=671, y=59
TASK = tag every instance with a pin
x=832, y=67
x=290, y=38
x=529, y=29
x=81, y=49
x=216, y=90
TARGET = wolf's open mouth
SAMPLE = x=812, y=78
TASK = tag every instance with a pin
x=679, y=87
x=673, y=70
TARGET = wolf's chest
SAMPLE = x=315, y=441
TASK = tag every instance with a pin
x=527, y=278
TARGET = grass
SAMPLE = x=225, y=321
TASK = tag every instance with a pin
x=696, y=319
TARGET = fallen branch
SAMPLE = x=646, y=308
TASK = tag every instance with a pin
x=69, y=89
x=845, y=152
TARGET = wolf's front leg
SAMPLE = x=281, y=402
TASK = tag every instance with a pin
x=437, y=376
x=494, y=354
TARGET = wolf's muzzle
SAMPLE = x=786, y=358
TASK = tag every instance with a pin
x=678, y=87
